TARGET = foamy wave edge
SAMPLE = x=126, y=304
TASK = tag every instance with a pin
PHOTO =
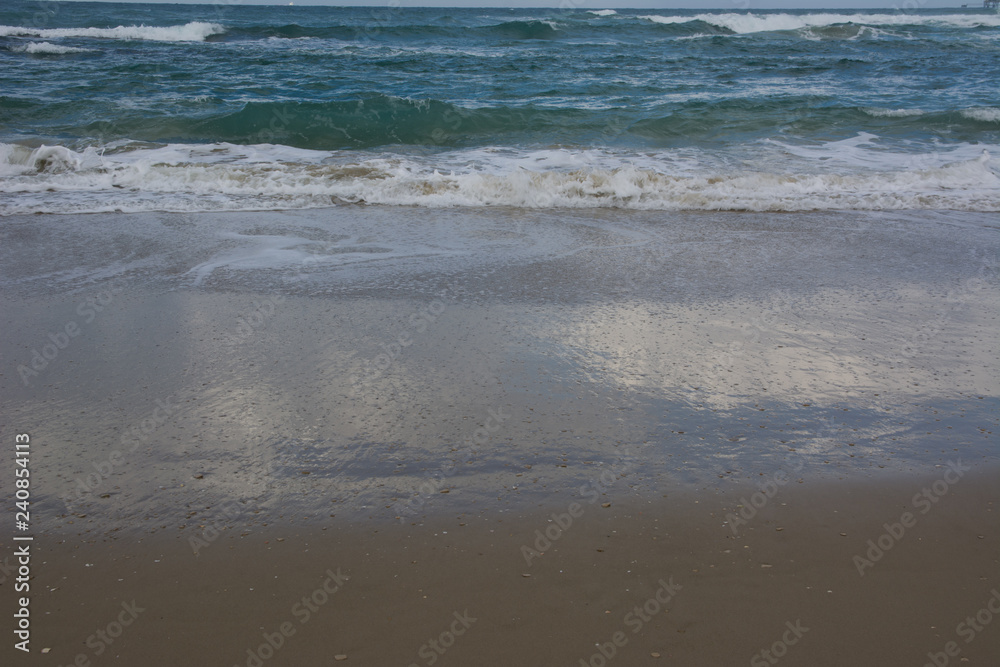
x=54, y=179
x=195, y=31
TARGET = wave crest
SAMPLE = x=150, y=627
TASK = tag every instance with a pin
x=892, y=113
x=46, y=48
x=983, y=114
x=525, y=30
x=195, y=31
x=748, y=23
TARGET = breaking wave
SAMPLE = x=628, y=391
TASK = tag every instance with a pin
x=983, y=114
x=228, y=177
x=811, y=26
x=195, y=31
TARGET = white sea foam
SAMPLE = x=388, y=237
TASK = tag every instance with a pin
x=45, y=48
x=667, y=20
x=751, y=23
x=226, y=177
x=985, y=114
x=603, y=12
x=892, y=113
x=195, y=31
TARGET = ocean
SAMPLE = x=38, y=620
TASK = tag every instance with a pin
x=149, y=107
x=426, y=294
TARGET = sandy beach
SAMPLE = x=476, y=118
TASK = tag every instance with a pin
x=499, y=436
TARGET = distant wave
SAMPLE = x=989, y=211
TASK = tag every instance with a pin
x=367, y=122
x=827, y=25
x=375, y=120
x=45, y=48
x=742, y=24
x=194, y=31
x=539, y=29
x=507, y=30
x=892, y=113
x=226, y=177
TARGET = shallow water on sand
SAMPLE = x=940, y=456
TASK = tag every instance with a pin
x=303, y=364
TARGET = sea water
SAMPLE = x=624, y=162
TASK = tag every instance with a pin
x=160, y=107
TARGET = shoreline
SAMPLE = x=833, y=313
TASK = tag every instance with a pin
x=809, y=375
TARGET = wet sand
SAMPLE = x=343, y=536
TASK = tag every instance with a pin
x=405, y=397
x=792, y=562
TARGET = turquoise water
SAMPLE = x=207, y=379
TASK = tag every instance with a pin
x=216, y=107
